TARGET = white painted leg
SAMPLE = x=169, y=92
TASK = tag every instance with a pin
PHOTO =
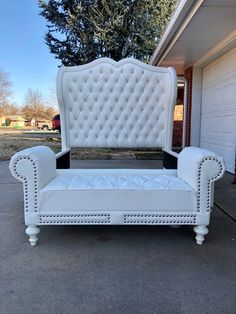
x=201, y=231
x=32, y=232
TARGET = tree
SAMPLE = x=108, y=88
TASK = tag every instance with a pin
x=5, y=87
x=5, y=92
x=9, y=108
x=52, y=95
x=34, y=107
x=49, y=112
x=80, y=31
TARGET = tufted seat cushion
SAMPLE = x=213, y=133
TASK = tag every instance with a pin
x=116, y=181
x=78, y=191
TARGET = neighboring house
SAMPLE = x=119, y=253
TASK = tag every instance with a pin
x=2, y=120
x=200, y=43
x=12, y=121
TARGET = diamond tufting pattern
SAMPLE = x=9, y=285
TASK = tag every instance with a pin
x=110, y=104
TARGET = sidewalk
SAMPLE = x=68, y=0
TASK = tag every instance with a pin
x=116, y=269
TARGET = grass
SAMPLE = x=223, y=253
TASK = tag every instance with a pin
x=14, y=141
x=10, y=144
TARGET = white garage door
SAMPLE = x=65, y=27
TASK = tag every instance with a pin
x=218, y=122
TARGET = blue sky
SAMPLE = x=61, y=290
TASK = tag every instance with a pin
x=23, y=52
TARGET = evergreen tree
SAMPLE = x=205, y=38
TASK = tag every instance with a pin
x=80, y=31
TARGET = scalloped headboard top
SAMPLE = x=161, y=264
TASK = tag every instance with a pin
x=116, y=104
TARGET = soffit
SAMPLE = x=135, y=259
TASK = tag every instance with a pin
x=213, y=21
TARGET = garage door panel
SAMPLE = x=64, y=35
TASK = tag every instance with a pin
x=227, y=152
x=222, y=127
x=228, y=128
x=229, y=93
x=212, y=100
x=218, y=118
x=212, y=126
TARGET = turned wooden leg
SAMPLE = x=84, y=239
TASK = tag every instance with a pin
x=32, y=231
x=201, y=231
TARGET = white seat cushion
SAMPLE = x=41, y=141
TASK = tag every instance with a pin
x=118, y=192
x=116, y=181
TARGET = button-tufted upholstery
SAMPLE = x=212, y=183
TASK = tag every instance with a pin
x=110, y=104
x=116, y=190
x=116, y=104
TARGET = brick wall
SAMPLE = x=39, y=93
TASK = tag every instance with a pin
x=178, y=119
x=177, y=133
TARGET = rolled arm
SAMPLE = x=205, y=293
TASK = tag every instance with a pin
x=35, y=167
x=200, y=168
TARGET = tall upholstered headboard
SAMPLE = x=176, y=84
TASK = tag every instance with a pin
x=116, y=104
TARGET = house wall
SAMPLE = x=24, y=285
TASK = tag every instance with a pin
x=12, y=121
x=218, y=112
x=17, y=123
x=2, y=120
x=196, y=107
x=188, y=75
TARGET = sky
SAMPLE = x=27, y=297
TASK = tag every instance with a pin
x=23, y=53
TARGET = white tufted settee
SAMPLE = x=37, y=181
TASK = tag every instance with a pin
x=109, y=104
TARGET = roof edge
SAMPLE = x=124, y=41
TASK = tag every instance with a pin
x=184, y=13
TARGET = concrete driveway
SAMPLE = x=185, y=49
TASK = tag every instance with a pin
x=116, y=269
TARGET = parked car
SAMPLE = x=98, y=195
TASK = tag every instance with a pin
x=56, y=125
x=45, y=125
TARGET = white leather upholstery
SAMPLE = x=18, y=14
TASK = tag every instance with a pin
x=120, y=196
x=206, y=167
x=116, y=104
x=193, y=158
x=109, y=104
x=84, y=191
x=34, y=167
x=87, y=181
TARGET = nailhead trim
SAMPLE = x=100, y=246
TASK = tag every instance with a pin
x=74, y=218
x=160, y=218
x=208, y=183
x=25, y=182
